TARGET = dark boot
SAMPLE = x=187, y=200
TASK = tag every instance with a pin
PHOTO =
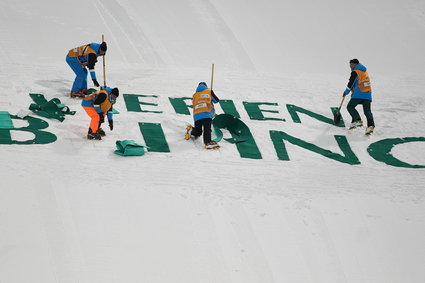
x=101, y=132
x=94, y=136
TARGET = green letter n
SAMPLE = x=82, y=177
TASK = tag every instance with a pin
x=348, y=155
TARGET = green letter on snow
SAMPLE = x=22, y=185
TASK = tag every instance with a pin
x=132, y=102
x=154, y=137
x=255, y=113
x=241, y=135
x=34, y=125
x=229, y=107
x=348, y=155
x=381, y=151
x=293, y=111
x=180, y=105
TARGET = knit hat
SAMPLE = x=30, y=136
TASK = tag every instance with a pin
x=103, y=47
x=354, y=61
x=115, y=92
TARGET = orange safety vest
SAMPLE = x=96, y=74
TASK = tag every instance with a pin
x=202, y=101
x=363, y=81
x=82, y=50
x=105, y=105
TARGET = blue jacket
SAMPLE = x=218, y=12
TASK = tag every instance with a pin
x=354, y=82
x=96, y=99
x=95, y=47
x=89, y=59
x=204, y=115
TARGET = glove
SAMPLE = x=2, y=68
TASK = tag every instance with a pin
x=346, y=91
x=111, y=124
x=102, y=118
x=96, y=84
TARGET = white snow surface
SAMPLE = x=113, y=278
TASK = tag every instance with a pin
x=73, y=211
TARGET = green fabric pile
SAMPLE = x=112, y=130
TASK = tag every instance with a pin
x=52, y=109
x=130, y=148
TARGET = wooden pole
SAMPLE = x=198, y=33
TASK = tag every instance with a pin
x=212, y=82
x=212, y=76
x=104, y=68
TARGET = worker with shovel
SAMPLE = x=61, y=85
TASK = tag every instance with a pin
x=359, y=85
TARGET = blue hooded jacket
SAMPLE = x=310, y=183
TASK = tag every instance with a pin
x=89, y=59
x=201, y=87
x=95, y=47
x=203, y=115
x=357, y=93
x=90, y=103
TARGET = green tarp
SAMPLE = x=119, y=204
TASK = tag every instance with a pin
x=5, y=120
x=130, y=148
x=133, y=103
x=52, y=109
x=154, y=137
x=180, y=105
x=35, y=126
x=228, y=107
x=255, y=113
x=241, y=135
x=381, y=151
x=240, y=132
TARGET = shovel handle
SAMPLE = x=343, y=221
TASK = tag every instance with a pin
x=342, y=101
x=104, y=66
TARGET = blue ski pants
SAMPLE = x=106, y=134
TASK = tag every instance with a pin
x=80, y=81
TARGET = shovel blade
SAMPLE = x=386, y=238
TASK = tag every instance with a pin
x=337, y=117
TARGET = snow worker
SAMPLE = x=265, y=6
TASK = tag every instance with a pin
x=78, y=59
x=359, y=84
x=203, y=112
x=97, y=105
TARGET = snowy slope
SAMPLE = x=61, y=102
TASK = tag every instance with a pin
x=73, y=211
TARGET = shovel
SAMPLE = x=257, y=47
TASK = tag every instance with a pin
x=337, y=114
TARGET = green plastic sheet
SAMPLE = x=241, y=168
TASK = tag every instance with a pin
x=381, y=151
x=52, y=109
x=133, y=103
x=180, y=105
x=241, y=135
x=154, y=137
x=130, y=148
x=228, y=107
x=5, y=120
x=240, y=132
x=255, y=113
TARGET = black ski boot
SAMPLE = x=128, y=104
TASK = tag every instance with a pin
x=101, y=132
x=94, y=136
